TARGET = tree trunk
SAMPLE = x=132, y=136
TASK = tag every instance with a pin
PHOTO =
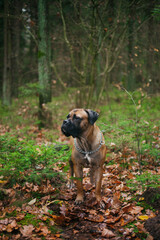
x=130, y=66
x=6, y=92
x=43, y=60
x=16, y=48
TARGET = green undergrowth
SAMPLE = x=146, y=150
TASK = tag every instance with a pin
x=132, y=123
x=144, y=180
x=23, y=160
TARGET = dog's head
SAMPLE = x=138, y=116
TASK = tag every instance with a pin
x=77, y=122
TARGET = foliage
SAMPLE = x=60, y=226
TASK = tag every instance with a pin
x=144, y=181
x=25, y=161
x=29, y=89
x=156, y=12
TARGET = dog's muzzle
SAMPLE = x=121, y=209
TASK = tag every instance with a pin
x=65, y=127
x=68, y=128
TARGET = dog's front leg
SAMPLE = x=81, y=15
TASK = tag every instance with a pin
x=70, y=183
x=78, y=170
x=99, y=175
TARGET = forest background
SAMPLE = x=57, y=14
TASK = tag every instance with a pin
x=59, y=55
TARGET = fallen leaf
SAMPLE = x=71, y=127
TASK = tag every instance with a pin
x=107, y=233
x=63, y=210
x=143, y=217
x=11, y=226
x=135, y=210
x=4, y=221
x=3, y=182
x=27, y=230
x=113, y=219
x=33, y=201
x=92, y=218
x=45, y=231
x=126, y=219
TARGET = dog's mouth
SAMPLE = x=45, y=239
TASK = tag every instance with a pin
x=64, y=131
x=68, y=128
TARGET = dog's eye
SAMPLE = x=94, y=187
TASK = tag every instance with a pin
x=77, y=118
x=68, y=116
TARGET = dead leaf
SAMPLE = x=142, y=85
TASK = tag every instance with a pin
x=113, y=219
x=11, y=226
x=116, y=202
x=27, y=230
x=126, y=219
x=135, y=210
x=33, y=201
x=107, y=233
x=143, y=217
x=4, y=221
x=127, y=208
x=44, y=231
x=92, y=218
x=107, y=212
x=20, y=216
x=63, y=210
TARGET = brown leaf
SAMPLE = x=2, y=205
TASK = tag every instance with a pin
x=107, y=233
x=11, y=226
x=20, y=216
x=127, y=208
x=59, y=219
x=126, y=219
x=135, y=210
x=113, y=219
x=63, y=210
x=33, y=201
x=4, y=221
x=27, y=230
x=45, y=231
x=116, y=202
x=107, y=212
x=92, y=218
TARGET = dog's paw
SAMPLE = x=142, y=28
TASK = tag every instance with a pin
x=102, y=205
x=79, y=200
x=100, y=202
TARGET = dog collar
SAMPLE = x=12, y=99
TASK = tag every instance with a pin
x=90, y=152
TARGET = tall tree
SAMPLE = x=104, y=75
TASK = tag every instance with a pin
x=16, y=46
x=43, y=59
x=6, y=91
x=130, y=66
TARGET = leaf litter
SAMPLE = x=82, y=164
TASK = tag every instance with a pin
x=54, y=215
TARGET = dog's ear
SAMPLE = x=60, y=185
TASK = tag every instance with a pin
x=92, y=116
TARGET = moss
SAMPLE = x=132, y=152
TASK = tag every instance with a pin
x=30, y=219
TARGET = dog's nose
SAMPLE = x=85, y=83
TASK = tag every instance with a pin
x=65, y=122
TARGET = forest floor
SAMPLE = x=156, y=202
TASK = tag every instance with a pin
x=34, y=200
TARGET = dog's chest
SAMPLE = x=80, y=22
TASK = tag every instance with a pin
x=86, y=160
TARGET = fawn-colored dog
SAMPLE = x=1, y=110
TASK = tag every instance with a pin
x=89, y=149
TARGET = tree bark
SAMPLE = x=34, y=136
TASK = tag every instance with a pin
x=43, y=60
x=130, y=66
x=16, y=48
x=6, y=91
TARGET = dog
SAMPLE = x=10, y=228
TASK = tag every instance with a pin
x=88, y=149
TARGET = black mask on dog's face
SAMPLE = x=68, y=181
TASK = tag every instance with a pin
x=71, y=127
x=77, y=122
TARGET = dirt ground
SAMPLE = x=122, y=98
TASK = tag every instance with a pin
x=152, y=225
